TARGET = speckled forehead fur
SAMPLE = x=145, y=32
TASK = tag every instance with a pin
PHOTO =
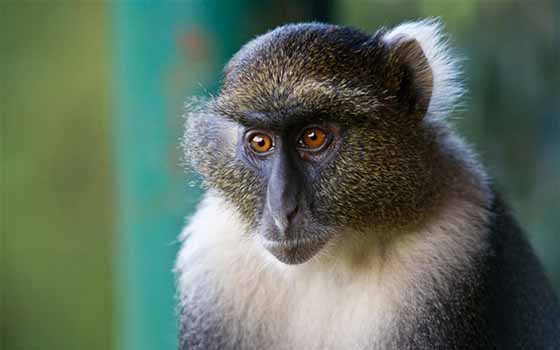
x=307, y=69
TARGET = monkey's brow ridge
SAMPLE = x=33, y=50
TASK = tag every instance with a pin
x=306, y=101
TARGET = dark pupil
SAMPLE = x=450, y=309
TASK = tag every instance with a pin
x=312, y=135
x=260, y=141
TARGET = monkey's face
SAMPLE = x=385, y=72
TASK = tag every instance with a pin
x=315, y=131
x=291, y=160
x=274, y=177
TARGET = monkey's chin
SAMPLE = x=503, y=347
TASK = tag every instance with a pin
x=293, y=252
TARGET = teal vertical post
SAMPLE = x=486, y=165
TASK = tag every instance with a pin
x=164, y=52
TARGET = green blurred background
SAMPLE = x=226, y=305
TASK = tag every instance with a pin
x=92, y=193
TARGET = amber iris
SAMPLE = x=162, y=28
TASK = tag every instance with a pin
x=313, y=138
x=260, y=143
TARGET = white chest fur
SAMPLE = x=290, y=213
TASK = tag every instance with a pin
x=319, y=305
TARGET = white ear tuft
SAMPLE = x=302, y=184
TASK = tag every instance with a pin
x=446, y=72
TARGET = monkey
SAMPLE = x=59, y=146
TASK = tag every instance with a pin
x=342, y=210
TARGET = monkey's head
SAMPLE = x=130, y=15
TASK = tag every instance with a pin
x=319, y=129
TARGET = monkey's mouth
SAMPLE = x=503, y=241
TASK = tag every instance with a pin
x=294, y=251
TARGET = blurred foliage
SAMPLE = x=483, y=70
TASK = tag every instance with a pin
x=56, y=177
x=57, y=161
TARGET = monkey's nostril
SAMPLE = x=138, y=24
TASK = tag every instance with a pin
x=292, y=214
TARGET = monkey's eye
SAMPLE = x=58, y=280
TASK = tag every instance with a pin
x=260, y=143
x=312, y=138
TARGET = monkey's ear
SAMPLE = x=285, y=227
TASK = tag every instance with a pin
x=429, y=74
x=410, y=75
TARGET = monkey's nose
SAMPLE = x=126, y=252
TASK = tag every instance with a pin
x=285, y=216
x=284, y=192
x=292, y=214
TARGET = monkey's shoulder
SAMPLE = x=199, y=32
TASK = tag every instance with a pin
x=203, y=321
x=526, y=309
